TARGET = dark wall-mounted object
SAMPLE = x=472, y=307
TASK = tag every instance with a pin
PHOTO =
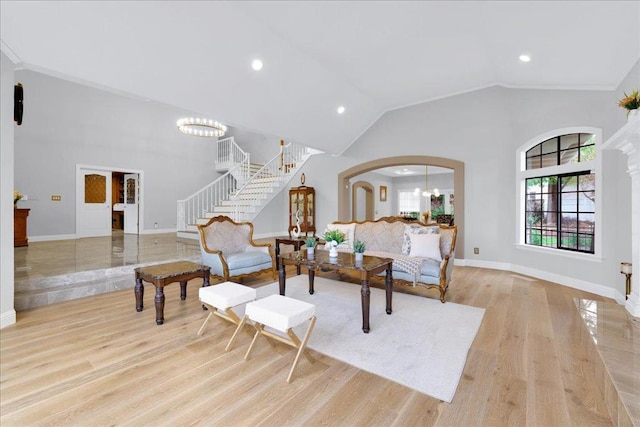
x=18, y=107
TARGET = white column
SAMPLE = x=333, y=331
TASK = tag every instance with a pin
x=627, y=140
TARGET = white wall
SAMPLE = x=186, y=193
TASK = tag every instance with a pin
x=67, y=124
x=483, y=129
x=7, y=312
x=380, y=208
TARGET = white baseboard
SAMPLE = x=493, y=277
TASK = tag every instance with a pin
x=7, y=318
x=571, y=282
x=52, y=237
x=159, y=231
x=74, y=236
x=483, y=264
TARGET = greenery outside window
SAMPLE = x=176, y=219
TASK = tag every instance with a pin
x=437, y=205
x=558, y=192
x=560, y=211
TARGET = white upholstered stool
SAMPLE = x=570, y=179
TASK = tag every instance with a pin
x=225, y=296
x=281, y=313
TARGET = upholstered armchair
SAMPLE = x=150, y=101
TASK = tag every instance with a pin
x=228, y=248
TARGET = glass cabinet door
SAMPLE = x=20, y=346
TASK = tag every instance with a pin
x=310, y=209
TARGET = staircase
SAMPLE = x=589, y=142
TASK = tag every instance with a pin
x=244, y=189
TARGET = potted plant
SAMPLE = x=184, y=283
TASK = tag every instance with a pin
x=631, y=103
x=310, y=243
x=358, y=249
x=333, y=238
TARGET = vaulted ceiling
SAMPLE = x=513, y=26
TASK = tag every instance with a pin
x=368, y=56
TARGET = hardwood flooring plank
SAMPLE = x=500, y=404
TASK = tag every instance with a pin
x=299, y=407
x=96, y=361
x=419, y=410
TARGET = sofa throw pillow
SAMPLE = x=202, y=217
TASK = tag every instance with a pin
x=415, y=229
x=348, y=230
x=425, y=246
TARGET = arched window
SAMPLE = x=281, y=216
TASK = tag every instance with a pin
x=558, y=191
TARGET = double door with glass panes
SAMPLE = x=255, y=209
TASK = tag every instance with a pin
x=302, y=210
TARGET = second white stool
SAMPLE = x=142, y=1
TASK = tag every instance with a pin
x=283, y=314
x=224, y=296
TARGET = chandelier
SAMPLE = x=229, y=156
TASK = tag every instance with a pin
x=201, y=127
x=427, y=193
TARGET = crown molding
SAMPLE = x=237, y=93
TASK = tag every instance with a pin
x=10, y=53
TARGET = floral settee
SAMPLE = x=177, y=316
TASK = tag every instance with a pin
x=422, y=254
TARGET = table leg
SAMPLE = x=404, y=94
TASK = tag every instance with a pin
x=159, y=305
x=139, y=291
x=366, y=299
x=205, y=283
x=277, y=249
x=297, y=247
x=205, y=278
x=282, y=278
x=388, y=286
x=183, y=290
x=312, y=275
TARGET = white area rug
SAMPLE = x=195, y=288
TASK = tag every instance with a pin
x=423, y=344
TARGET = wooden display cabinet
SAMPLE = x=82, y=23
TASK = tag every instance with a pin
x=302, y=200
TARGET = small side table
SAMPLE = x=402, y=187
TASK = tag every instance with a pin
x=296, y=243
x=163, y=274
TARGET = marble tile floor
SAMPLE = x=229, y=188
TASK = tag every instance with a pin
x=612, y=338
x=55, y=271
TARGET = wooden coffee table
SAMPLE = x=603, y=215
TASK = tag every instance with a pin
x=345, y=263
x=163, y=274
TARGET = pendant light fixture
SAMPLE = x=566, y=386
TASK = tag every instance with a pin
x=427, y=193
x=206, y=128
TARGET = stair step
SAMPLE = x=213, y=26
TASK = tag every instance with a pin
x=260, y=188
x=229, y=210
x=226, y=204
x=35, y=292
x=251, y=196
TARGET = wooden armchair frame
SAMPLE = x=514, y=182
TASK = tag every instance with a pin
x=220, y=253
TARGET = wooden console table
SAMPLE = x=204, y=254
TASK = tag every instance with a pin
x=20, y=227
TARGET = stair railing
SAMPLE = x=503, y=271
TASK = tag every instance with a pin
x=202, y=201
x=273, y=171
x=230, y=154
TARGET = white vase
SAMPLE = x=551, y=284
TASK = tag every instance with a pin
x=333, y=252
x=311, y=252
x=632, y=113
x=359, y=256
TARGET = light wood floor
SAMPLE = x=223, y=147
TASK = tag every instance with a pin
x=96, y=361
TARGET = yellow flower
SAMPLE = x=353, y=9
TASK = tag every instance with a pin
x=16, y=196
x=630, y=102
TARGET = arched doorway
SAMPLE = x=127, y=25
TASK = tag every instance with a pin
x=356, y=202
x=344, y=207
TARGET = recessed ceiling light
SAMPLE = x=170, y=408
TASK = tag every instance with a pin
x=340, y=109
x=256, y=65
x=404, y=171
x=525, y=58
